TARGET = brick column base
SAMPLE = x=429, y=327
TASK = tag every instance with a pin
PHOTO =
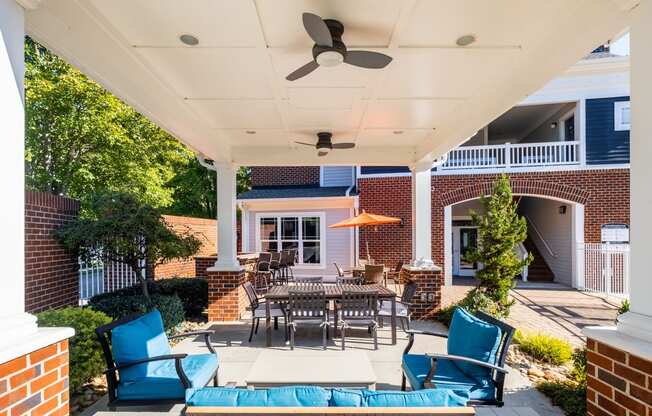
x=227, y=300
x=36, y=383
x=618, y=383
x=427, y=300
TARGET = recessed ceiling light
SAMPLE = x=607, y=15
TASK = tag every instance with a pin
x=189, y=40
x=465, y=40
x=398, y=132
x=250, y=131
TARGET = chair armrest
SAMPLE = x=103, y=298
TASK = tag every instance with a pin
x=468, y=360
x=177, y=365
x=412, y=332
x=207, y=338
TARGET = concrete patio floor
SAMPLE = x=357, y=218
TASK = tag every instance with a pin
x=237, y=357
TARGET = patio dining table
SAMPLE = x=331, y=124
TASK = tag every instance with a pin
x=333, y=292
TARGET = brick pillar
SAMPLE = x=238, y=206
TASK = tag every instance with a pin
x=618, y=383
x=429, y=282
x=36, y=383
x=226, y=298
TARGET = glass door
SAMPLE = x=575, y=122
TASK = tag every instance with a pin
x=468, y=242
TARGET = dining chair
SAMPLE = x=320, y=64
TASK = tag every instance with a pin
x=274, y=266
x=307, y=305
x=341, y=272
x=357, y=307
x=395, y=276
x=348, y=280
x=258, y=310
x=403, y=306
x=262, y=272
x=292, y=261
x=309, y=280
x=374, y=274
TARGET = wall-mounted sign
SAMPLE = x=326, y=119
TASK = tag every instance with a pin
x=615, y=233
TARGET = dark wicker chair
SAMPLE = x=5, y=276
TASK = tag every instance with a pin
x=262, y=272
x=150, y=389
x=307, y=304
x=357, y=307
x=292, y=261
x=259, y=310
x=274, y=267
x=395, y=275
x=403, y=306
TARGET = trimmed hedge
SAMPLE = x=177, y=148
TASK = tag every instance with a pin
x=118, y=305
x=192, y=291
x=86, y=357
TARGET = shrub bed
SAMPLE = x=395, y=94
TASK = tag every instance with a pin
x=86, y=357
x=544, y=347
x=118, y=305
x=570, y=395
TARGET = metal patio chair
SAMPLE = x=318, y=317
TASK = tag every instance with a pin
x=341, y=272
x=262, y=272
x=307, y=304
x=403, y=306
x=395, y=276
x=374, y=274
x=309, y=280
x=259, y=311
x=357, y=307
x=292, y=261
x=348, y=280
x=274, y=267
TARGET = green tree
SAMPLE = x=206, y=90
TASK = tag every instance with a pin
x=81, y=139
x=126, y=230
x=500, y=230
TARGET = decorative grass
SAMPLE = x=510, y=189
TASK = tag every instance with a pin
x=544, y=347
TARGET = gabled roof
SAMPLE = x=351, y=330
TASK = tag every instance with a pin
x=282, y=192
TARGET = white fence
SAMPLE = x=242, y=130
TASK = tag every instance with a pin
x=513, y=155
x=605, y=269
x=97, y=277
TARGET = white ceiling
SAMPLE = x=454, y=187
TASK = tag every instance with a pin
x=430, y=98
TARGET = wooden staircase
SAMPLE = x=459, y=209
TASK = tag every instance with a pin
x=538, y=270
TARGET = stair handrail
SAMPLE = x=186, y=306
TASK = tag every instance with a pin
x=538, y=233
x=522, y=254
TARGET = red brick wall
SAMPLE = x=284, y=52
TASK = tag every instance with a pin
x=604, y=193
x=204, y=229
x=284, y=175
x=226, y=297
x=51, y=274
x=36, y=383
x=618, y=383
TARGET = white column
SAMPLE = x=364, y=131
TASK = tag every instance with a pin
x=13, y=319
x=448, y=245
x=638, y=322
x=226, y=219
x=422, y=214
x=577, y=254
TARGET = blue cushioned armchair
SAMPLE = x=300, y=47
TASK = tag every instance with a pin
x=475, y=361
x=141, y=367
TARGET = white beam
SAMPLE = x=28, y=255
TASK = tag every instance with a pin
x=422, y=214
x=226, y=219
x=305, y=156
x=638, y=322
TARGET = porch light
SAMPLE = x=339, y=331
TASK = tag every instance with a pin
x=330, y=58
x=189, y=40
x=562, y=209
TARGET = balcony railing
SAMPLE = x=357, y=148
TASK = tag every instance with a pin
x=513, y=155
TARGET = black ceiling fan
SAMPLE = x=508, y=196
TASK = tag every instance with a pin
x=324, y=144
x=329, y=50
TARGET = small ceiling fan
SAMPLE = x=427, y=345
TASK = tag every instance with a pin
x=329, y=50
x=324, y=144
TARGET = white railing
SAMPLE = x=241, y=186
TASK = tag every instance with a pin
x=539, y=236
x=513, y=155
x=96, y=277
x=604, y=268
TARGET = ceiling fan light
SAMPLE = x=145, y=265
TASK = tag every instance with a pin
x=330, y=58
x=465, y=40
x=189, y=40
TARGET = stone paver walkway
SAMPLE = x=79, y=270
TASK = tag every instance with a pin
x=549, y=308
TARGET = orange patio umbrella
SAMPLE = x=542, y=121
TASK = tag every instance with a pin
x=366, y=219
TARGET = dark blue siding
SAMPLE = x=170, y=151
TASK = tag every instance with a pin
x=604, y=145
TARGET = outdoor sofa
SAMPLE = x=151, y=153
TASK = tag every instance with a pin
x=317, y=400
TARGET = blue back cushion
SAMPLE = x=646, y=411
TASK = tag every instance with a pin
x=418, y=398
x=298, y=396
x=294, y=396
x=141, y=338
x=473, y=338
x=347, y=398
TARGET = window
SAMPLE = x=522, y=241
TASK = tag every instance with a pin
x=302, y=232
x=621, y=115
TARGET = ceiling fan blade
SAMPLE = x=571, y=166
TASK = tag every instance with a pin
x=317, y=30
x=343, y=145
x=367, y=59
x=303, y=71
x=306, y=144
x=322, y=153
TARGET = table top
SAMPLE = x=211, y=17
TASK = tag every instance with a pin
x=361, y=269
x=331, y=291
x=350, y=367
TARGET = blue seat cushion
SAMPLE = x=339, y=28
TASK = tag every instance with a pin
x=447, y=377
x=421, y=398
x=473, y=338
x=347, y=398
x=293, y=396
x=163, y=381
x=138, y=339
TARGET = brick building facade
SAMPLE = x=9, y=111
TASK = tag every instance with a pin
x=603, y=192
x=51, y=274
